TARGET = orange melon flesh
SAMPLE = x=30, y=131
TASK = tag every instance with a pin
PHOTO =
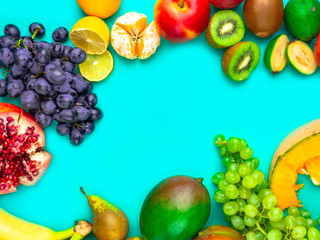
x=299, y=153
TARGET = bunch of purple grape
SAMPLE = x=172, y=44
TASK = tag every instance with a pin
x=43, y=76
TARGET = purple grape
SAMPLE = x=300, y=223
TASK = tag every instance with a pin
x=42, y=56
x=15, y=88
x=30, y=83
x=64, y=128
x=66, y=51
x=95, y=114
x=12, y=31
x=91, y=99
x=19, y=51
x=42, y=86
x=87, y=127
x=28, y=42
x=76, y=137
x=7, y=42
x=18, y=72
x=60, y=34
x=3, y=87
x=36, y=69
x=57, y=49
x=62, y=88
x=34, y=26
x=73, y=93
x=52, y=93
x=6, y=57
x=79, y=85
x=56, y=115
x=29, y=99
x=49, y=66
x=56, y=76
x=43, y=44
x=69, y=77
x=24, y=61
x=68, y=66
x=64, y=100
x=67, y=115
x=57, y=62
x=48, y=106
x=82, y=113
x=77, y=55
x=43, y=119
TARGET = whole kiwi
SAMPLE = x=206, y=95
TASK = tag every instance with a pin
x=263, y=17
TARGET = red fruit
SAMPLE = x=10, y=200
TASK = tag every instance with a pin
x=317, y=51
x=22, y=159
x=181, y=20
x=225, y=4
x=219, y=232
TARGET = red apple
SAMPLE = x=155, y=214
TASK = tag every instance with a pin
x=181, y=20
x=317, y=51
x=219, y=232
x=225, y=4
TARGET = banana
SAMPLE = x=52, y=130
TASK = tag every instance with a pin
x=13, y=228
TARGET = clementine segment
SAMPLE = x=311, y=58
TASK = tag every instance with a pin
x=132, y=37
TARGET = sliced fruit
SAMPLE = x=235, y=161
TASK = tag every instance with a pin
x=241, y=60
x=225, y=29
x=97, y=67
x=22, y=159
x=275, y=54
x=301, y=57
x=90, y=34
x=298, y=153
x=131, y=37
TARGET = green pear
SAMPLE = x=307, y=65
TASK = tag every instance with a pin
x=109, y=222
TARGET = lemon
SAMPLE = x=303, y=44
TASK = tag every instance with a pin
x=91, y=34
x=97, y=67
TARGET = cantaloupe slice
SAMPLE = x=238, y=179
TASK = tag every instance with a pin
x=299, y=153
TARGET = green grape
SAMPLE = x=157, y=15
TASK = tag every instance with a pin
x=217, y=177
x=260, y=235
x=233, y=167
x=290, y=222
x=249, y=221
x=244, y=170
x=261, y=186
x=305, y=213
x=220, y=197
x=223, y=184
x=226, y=161
x=318, y=220
x=246, y=153
x=275, y=214
x=253, y=199
x=244, y=142
x=263, y=193
x=300, y=221
x=293, y=211
x=232, y=177
x=219, y=140
x=230, y=208
x=255, y=162
x=251, y=236
x=223, y=151
x=241, y=203
x=232, y=191
x=237, y=222
x=298, y=232
x=249, y=182
x=269, y=227
x=244, y=193
x=250, y=210
x=274, y=234
x=280, y=225
x=250, y=165
x=234, y=145
x=258, y=175
x=313, y=234
x=227, y=218
x=310, y=223
x=269, y=201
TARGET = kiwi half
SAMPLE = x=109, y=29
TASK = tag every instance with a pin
x=275, y=54
x=225, y=29
x=239, y=61
x=301, y=57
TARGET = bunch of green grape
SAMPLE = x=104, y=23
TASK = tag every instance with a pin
x=249, y=204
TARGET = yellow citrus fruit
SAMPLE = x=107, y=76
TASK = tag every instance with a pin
x=97, y=67
x=91, y=34
x=99, y=8
x=131, y=37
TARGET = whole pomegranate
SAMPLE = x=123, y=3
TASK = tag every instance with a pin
x=22, y=159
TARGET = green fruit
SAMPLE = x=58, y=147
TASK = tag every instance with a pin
x=302, y=18
x=275, y=54
x=241, y=60
x=225, y=29
x=300, y=56
x=176, y=208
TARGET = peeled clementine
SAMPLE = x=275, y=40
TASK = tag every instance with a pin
x=131, y=37
x=99, y=8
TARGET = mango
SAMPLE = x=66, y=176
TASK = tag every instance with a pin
x=176, y=208
x=219, y=232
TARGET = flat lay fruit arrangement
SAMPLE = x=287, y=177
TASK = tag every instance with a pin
x=111, y=114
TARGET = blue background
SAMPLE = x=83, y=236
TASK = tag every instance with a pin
x=160, y=116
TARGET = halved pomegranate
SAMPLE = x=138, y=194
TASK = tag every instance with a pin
x=22, y=159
